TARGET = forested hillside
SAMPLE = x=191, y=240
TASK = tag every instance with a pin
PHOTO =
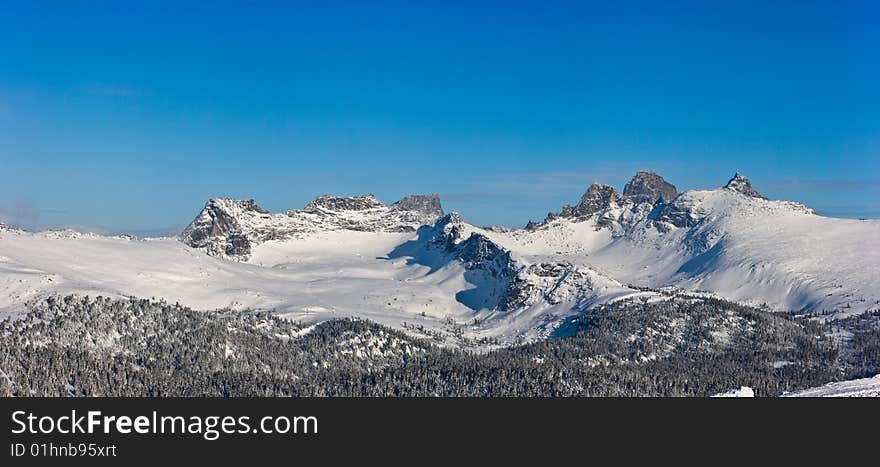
x=80, y=346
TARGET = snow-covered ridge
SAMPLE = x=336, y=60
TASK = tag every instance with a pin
x=230, y=228
x=730, y=241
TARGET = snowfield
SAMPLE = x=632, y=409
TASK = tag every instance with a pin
x=742, y=391
x=304, y=280
x=865, y=387
x=409, y=263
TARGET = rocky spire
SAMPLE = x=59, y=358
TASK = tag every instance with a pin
x=648, y=187
x=219, y=217
x=597, y=198
x=741, y=184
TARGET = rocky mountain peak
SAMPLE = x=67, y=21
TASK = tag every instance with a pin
x=221, y=218
x=648, y=187
x=450, y=227
x=425, y=204
x=741, y=184
x=597, y=198
x=231, y=228
x=232, y=204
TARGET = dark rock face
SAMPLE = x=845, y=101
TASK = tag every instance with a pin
x=488, y=266
x=648, y=187
x=237, y=245
x=741, y=184
x=678, y=216
x=449, y=231
x=343, y=203
x=478, y=250
x=217, y=220
x=425, y=204
x=597, y=198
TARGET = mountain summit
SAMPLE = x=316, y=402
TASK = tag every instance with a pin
x=741, y=184
x=597, y=198
x=639, y=194
x=425, y=204
x=648, y=187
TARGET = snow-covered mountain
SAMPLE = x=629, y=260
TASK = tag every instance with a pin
x=731, y=242
x=230, y=228
x=410, y=262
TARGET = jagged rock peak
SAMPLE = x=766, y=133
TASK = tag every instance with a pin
x=344, y=203
x=450, y=227
x=597, y=198
x=227, y=204
x=220, y=218
x=425, y=204
x=648, y=187
x=452, y=218
x=741, y=184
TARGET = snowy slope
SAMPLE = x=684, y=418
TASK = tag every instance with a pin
x=311, y=279
x=742, y=391
x=865, y=387
x=738, y=246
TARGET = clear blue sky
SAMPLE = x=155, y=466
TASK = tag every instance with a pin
x=129, y=117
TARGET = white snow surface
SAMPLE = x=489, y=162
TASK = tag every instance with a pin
x=742, y=391
x=865, y=387
x=734, y=246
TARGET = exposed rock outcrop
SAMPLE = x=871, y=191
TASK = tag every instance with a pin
x=741, y=184
x=343, y=203
x=223, y=218
x=597, y=198
x=603, y=204
x=425, y=204
x=648, y=187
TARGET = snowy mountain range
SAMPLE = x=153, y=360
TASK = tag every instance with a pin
x=409, y=262
x=229, y=228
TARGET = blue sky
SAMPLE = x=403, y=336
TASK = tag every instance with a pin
x=129, y=117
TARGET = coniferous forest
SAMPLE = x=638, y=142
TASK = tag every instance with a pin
x=684, y=346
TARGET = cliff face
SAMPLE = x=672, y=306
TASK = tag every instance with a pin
x=648, y=187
